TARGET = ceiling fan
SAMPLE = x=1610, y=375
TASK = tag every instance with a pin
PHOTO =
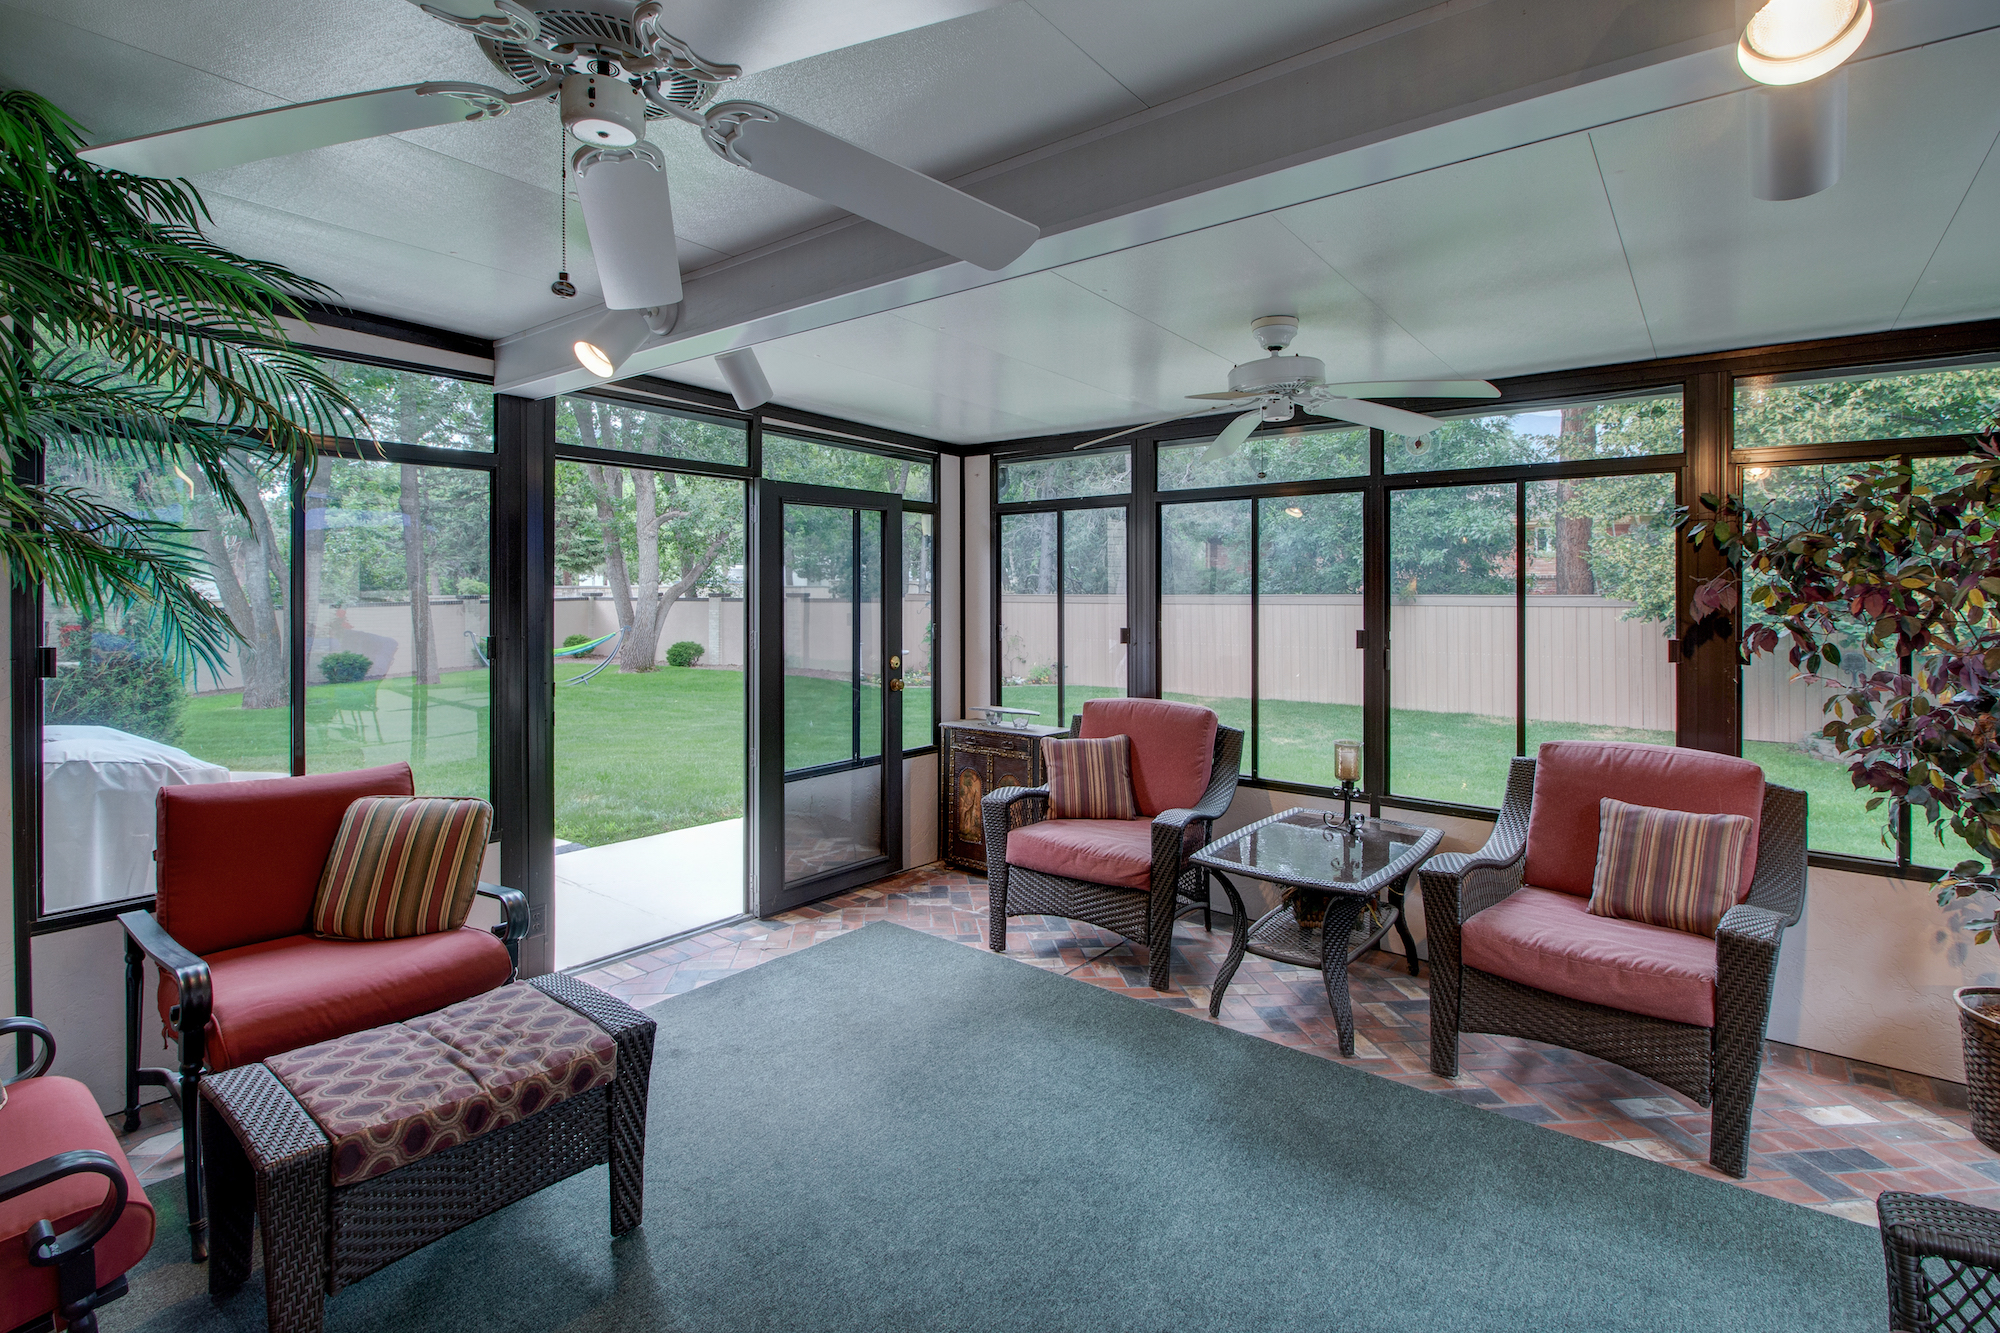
x=611, y=66
x=1278, y=385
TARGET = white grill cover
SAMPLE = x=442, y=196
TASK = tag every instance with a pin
x=99, y=785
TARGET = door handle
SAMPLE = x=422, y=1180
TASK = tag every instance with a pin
x=896, y=685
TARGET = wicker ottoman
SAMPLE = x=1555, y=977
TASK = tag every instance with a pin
x=1944, y=1263
x=358, y=1151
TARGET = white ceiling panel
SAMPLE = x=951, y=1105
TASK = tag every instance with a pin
x=1178, y=46
x=1500, y=265
x=1208, y=285
x=1045, y=321
x=1962, y=280
x=1717, y=268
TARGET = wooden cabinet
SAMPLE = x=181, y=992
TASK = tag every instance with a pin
x=977, y=758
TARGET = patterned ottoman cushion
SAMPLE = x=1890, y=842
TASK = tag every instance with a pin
x=394, y=1094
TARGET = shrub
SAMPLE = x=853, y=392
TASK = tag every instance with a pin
x=575, y=640
x=684, y=654
x=340, y=668
x=140, y=695
x=473, y=588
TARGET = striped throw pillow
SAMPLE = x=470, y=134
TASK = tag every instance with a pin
x=402, y=866
x=1667, y=867
x=1090, y=779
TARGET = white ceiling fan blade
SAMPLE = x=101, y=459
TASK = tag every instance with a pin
x=1379, y=415
x=744, y=377
x=1232, y=437
x=630, y=216
x=1226, y=397
x=794, y=153
x=757, y=34
x=1417, y=389
x=215, y=144
x=500, y=20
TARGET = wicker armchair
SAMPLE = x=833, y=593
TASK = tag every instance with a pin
x=1145, y=916
x=1716, y=1066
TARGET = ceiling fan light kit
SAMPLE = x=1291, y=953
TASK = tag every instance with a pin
x=611, y=66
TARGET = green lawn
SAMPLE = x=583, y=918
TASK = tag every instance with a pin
x=642, y=754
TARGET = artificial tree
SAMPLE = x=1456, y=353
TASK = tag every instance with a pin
x=1910, y=572
x=127, y=338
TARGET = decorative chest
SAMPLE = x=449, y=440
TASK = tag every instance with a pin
x=977, y=758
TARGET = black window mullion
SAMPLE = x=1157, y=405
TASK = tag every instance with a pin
x=1256, y=679
x=1520, y=617
x=1062, y=648
x=301, y=646
x=854, y=627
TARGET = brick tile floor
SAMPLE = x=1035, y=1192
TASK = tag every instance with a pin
x=1829, y=1133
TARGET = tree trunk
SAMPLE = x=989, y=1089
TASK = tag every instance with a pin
x=602, y=479
x=416, y=566
x=1573, y=573
x=640, y=651
x=263, y=658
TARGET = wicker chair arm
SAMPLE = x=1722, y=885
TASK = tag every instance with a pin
x=33, y=1027
x=1004, y=799
x=1746, y=943
x=515, y=918
x=1779, y=883
x=190, y=973
x=46, y=1248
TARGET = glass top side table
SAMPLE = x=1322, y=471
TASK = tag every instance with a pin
x=1312, y=850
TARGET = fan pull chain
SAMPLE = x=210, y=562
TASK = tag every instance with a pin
x=562, y=286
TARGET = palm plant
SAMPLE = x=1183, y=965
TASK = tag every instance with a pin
x=129, y=339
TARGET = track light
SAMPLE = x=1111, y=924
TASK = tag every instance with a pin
x=744, y=377
x=610, y=342
x=1794, y=41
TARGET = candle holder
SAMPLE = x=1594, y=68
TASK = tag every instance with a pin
x=1347, y=768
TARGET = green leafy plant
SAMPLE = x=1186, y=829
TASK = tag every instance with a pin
x=340, y=668
x=1901, y=571
x=684, y=654
x=140, y=695
x=576, y=640
x=128, y=339
x=473, y=588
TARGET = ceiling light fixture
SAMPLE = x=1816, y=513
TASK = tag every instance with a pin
x=1795, y=41
x=610, y=342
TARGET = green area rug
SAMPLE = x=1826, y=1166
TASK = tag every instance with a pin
x=894, y=1132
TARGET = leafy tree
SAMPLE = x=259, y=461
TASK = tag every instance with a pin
x=129, y=341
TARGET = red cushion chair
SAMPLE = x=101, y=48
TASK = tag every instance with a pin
x=242, y=977
x=73, y=1219
x=1128, y=876
x=1514, y=949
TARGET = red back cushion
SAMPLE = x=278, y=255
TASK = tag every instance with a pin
x=240, y=862
x=1173, y=748
x=1571, y=777
x=1089, y=779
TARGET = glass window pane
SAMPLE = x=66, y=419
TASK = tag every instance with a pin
x=123, y=717
x=919, y=627
x=1309, y=673
x=1616, y=428
x=1094, y=622
x=1784, y=710
x=603, y=423
x=823, y=696
x=1205, y=608
x=1028, y=615
x=1288, y=455
x=1451, y=639
x=789, y=459
x=398, y=613
x=1600, y=610
x=1066, y=476
x=404, y=407
x=1879, y=405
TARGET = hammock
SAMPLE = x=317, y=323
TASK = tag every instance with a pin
x=583, y=648
x=609, y=657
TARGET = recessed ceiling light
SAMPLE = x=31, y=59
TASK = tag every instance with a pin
x=1793, y=41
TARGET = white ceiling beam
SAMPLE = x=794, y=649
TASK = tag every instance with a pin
x=1457, y=81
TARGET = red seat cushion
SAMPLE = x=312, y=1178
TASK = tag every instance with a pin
x=1098, y=851
x=1572, y=776
x=1173, y=748
x=241, y=862
x=279, y=995
x=1551, y=941
x=45, y=1116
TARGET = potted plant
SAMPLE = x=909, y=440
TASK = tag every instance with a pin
x=1906, y=573
x=127, y=337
